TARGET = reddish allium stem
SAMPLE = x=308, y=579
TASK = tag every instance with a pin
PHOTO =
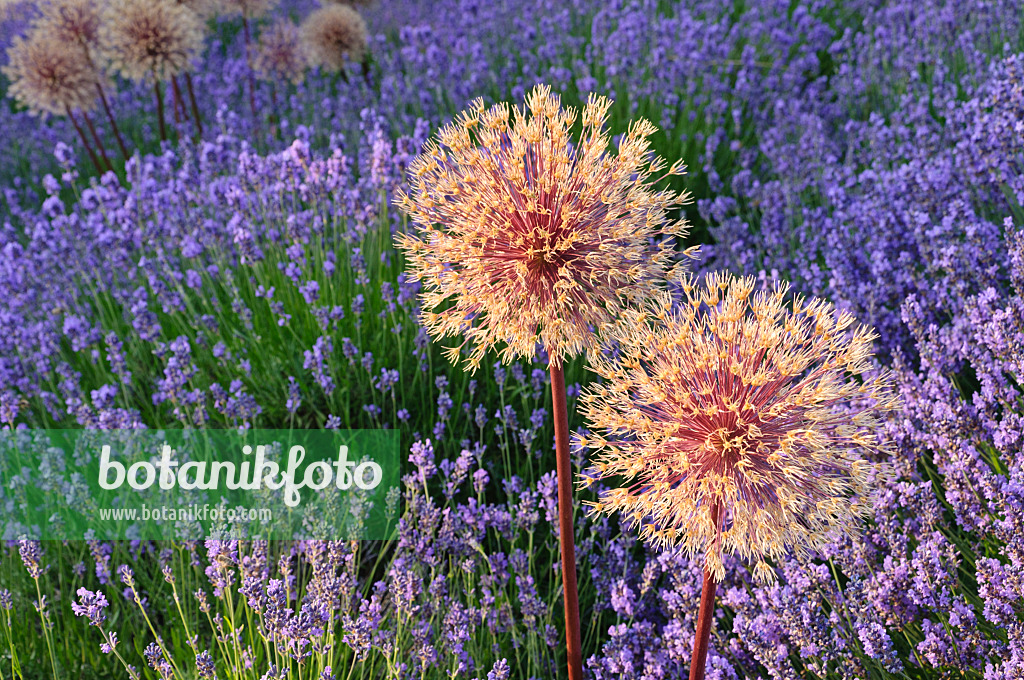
x=113, y=123
x=705, y=621
x=96, y=138
x=179, y=100
x=274, y=118
x=565, y=523
x=106, y=104
x=174, y=105
x=195, y=107
x=85, y=142
x=160, y=110
x=705, y=617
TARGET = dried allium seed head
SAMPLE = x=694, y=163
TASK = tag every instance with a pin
x=146, y=39
x=247, y=8
x=73, y=21
x=281, y=53
x=332, y=33
x=49, y=75
x=526, y=236
x=739, y=421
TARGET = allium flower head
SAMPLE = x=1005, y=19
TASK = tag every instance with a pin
x=72, y=21
x=281, y=53
x=145, y=39
x=739, y=420
x=526, y=236
x=332, y=33
x=49, y=75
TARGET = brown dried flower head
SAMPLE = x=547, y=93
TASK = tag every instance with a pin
x=332, y=33
x=73, y=21
x=740, y=426
x=280, y=53
x=49, y=75
x=248, y=8
x=526, y=236
x=146, y=39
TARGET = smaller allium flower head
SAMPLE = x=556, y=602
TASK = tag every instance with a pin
x=280, y=53
x=72, y=21
x=740, y=421
x=146, y=39
x=526, y=236
x=50, y=75
x=332, y=33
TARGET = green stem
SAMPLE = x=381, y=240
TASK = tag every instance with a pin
x=46, y=629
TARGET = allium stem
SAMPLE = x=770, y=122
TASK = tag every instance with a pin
x=96, y=138
x=178, y=99
x=565, y=523
x=85, y=142
x=705, y=621
x=113, y=123
x=106, y=104
x=160, y=110
x=274, y=118
x=705, y=617
x=248, y=62
x=192, y=100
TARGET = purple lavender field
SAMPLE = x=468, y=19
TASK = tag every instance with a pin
x=199, y=231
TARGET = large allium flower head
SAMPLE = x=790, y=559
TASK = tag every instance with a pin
x=49, y=75
x=145, y=39
x=73, y=21
x=332, y=33
x=739, y=422
x=280, y=53
x=528, y=237
x=248, y=8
